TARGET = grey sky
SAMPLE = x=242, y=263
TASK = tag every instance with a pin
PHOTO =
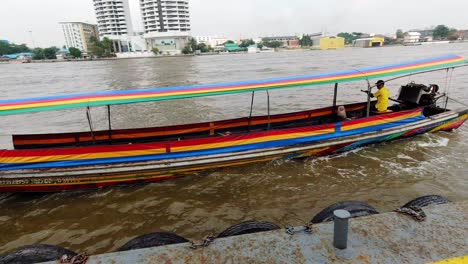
x=244, y=18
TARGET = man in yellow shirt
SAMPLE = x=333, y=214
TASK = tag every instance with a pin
x=382, y=96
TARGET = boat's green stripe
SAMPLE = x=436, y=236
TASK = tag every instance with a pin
x=188, y=95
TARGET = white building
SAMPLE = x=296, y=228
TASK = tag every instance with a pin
x=77, y=34
x=114, y=22
x=212, y=41
x=412, y=37
x=166, y=24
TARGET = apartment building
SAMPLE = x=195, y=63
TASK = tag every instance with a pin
x=78, y=34
x=166, y=24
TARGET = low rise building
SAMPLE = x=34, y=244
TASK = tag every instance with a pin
x=369, y=42
x=412, y=37
x=286, y=41
x=232, y=47
x=212, y=41
x=78, y=34
x=327, y=43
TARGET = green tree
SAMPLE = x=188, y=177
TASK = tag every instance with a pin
x=4, y=48
x=106, y=44
x=11, y=48
x=193, y=44
x=272, y=44
x=187, y=50
x=306, y=41
x=246, y=42
x=76, y=53
x=155, y=51
x=96, y=47
x=50, y=53
x=349, y=37
x=260, y=45
x=228, y=42
x=440, y=32
x=38, y=54
x=400, y=34
x=203, y=48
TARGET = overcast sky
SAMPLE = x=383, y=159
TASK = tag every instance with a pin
x=22, y=21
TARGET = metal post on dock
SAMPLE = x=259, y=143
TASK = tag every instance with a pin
x=340, y=233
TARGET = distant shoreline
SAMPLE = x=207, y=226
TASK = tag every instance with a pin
x=193, y=55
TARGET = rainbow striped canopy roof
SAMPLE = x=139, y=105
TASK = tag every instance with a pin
x=28, y=105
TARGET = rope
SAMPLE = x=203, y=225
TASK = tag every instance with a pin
x=369, y=89
x=90, y=122
x=456, y=101
x=448, y=88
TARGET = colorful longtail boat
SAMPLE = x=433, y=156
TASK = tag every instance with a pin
x=93, y=159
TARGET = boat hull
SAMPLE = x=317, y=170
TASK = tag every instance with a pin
x=86, y=177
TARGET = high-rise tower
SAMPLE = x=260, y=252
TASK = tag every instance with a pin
x=165, y=15
x=166, y=24
x=114, y=22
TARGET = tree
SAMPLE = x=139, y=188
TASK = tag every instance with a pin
x=187, y=50
x=4, y=48
x=349, y=37
x=440, y=32
x=400, y=34
x=50, y=53
x=246, y=42
x=96, y=47
x=228, y=42
x=76, y=53
x=38, y=54
x=453, y=34
x=193, y=44
x=11, y=48
x=202, y=47
x=272, y=44
x=260, y=45
x=106, y=44
x=306, y=41
x=155, y=51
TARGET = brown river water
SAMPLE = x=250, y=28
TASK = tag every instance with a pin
x=283, y=192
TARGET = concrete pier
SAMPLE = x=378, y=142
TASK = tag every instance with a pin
x=383, y=238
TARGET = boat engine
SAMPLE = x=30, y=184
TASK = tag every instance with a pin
x=418, y=94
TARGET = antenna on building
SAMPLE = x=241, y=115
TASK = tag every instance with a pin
x=32, y=39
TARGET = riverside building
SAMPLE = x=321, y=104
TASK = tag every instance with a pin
x=78, y=34
x=114, y=22
x=166, y=24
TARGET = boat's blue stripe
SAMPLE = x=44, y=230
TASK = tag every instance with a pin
x=269, y=144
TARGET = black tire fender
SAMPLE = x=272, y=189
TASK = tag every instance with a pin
x=426, y=200
x=355, y=208
x=153, y=240
x=248, y=227
x=35, y=253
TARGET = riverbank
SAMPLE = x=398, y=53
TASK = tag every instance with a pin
x=299, y=49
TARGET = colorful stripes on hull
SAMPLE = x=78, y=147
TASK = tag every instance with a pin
x=96, y=181
x=11, y=160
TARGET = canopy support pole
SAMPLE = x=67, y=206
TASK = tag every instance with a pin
x=90, y=122
x=335, y=93
x=251, y=109
x=268, y=109
x=110, y=125
x=368, y=98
